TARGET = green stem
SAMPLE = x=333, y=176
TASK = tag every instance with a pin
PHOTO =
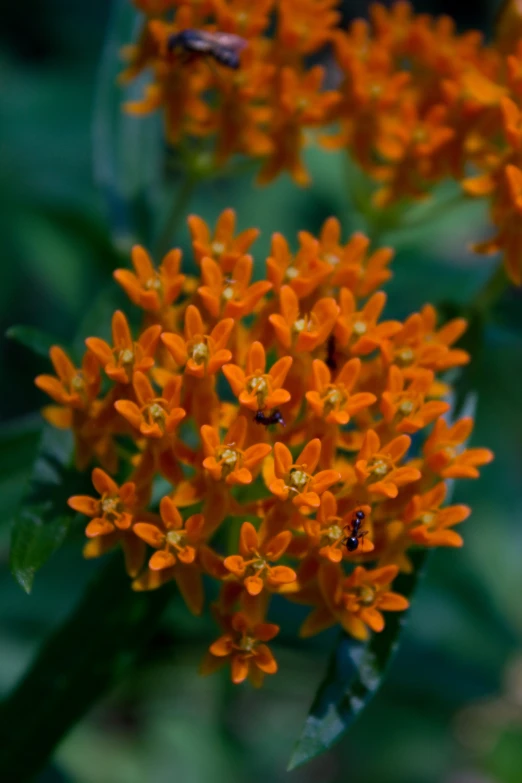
x=490, y=293
x=175, y=215
x=94, y=648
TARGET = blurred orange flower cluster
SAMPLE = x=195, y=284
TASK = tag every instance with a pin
x=279, y=436
x=261, y=109
x=414, y=102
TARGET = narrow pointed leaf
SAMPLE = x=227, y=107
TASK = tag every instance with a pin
x=354, y=674
x=36, y=340
x=33, y=542
x=43, y=519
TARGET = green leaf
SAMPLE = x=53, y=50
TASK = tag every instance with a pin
x=41, y=524
x=354, y=674
x=37, y=341
x=19, y=441
x=33, y=542
x=128, y=151
x=96, y=646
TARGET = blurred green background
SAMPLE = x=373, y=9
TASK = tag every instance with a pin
x=451, y=708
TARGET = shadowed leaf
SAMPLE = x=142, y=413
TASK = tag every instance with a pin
x=42, y=522
x=96, y=646
x=37, y=341
x=354, y=674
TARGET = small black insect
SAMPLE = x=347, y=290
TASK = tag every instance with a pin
x=274, y=418
x=355, y=533
x=330, y=353
x=225, y=48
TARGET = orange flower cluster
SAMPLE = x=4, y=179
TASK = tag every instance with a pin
x=421, y=102
x=281, y=436
x=263, y=108
x=414, y=101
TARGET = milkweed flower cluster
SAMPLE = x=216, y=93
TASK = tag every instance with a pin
x=412, y=100
x=246, y=425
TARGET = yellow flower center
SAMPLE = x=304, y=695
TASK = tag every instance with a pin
x=218, y=248
x=174, y=537
x=298, y=479
x=77, y=383
x=300, y=325
x=333, y=399
x=406, y=407
x=111, y=505
x=247, y=644
x=153, y=284
x=200, y=353
x=331, y=258
x=292, y=272
x=156, y=412
x=366, y=595
x=228, y=293
x=229, y=457
x=428, y=518
x=258, y=385
x=126, y=356
x=405, y=356
x=360, y=328
x=334, y=533
x=419, y=135
x=380, y=468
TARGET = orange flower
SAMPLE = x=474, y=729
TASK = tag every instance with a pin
x=178, y=541
x=419, y=344
x=446, y=454
x=360, y=328
x=303, y=272
x=297, y=479
x=73, y=388
x=154, y=416
x=349, y=263
x=506, y=213
x=230, y=297
x=412, y=143
x=256, y=389
x=407, y=408
x=112, y=511
x=221, y=246
x=299, y=104
x=240, y=120
x=228, y=460
x=244, y=646
x=428, y=524
x=334, y=401
x=329, y=531
x=305, y=25
x=356, y=601
x=375, y=466
x=243, y=17
x=177, y=88
x=149, y=288
x=306, y=331
x=253, y=567
x=126, y=356
x=200, y=353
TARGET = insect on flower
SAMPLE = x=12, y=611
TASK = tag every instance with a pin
x=225, y=48
x=354, y=528
x=273, y=418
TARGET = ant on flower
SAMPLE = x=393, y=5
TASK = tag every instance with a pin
x=225, y=48
x=274, y=418
x=355, y=533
